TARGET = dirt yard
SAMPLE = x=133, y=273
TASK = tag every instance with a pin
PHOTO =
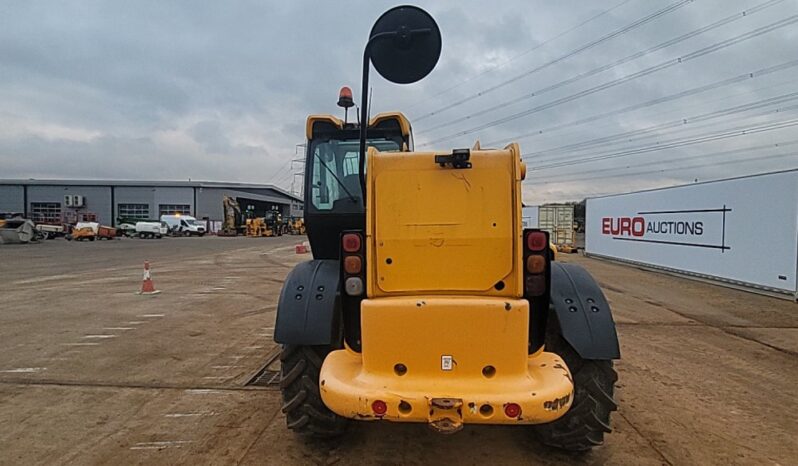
x=91, y=373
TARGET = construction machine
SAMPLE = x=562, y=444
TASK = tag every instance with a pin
x=426, y=299
x=233, y=223
x=296, y=226
x=15, y=229
x=274, y=220
x=83, y=231
x=257, y=227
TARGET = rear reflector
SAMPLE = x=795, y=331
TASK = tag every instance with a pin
x=353, y=265
x=512, y=410
x=353, y=286
x=535, y=264
x=536, y=241
x=379, y=407
x=351, y=242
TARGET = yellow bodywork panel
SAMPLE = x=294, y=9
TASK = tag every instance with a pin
x=404, y=123
x=467, y=351
x=445, y=330
x=440, y=230
x=313, y=119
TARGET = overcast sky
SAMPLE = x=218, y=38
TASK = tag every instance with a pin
x=171, y=90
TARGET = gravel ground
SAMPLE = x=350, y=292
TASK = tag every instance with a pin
x=92, y=373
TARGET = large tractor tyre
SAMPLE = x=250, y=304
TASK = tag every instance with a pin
x=584, y=425
x=304, y=410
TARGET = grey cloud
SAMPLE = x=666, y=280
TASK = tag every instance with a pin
x=220, y=90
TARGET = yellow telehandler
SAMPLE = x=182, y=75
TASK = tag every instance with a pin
x=426, y=299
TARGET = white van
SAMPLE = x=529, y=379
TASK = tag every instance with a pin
x=151, y=229
x=183, y=225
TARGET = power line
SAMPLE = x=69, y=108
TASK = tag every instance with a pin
x=622, y=137
x=570, y=176
x=640, y=22
x=287, y=176
x=672, y=112
x=525, y=52
x=653, y=69
x=690, y=167
x=278, y=172
x=673, y=143
x=722, y=22
x=657, y=101
x=592, y=150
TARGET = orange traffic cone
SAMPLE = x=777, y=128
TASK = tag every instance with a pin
x=147, y=285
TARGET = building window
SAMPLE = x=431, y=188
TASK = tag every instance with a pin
x=172, y=209
x=46, y=212
x=136, y=211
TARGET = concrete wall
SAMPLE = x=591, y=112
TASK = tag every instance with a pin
x=12, y=199
x=97, y=199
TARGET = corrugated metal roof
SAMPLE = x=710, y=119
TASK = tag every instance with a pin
x=165, y=184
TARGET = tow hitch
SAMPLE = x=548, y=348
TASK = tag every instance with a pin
x=446, y=415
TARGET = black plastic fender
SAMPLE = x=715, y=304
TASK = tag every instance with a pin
x=308, y=312
x=583, y=312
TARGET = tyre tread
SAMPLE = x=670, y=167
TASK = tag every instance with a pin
x=304, y=409
x=584, y=425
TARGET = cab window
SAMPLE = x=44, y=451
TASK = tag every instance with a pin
x=336, y=181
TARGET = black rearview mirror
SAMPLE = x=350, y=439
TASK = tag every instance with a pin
x=404, y=45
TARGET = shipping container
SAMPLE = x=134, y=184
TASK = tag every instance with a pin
x=558, y=220
x=739, y=231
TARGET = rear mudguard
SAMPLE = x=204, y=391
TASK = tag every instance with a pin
x=583, y=312
x=308, y=312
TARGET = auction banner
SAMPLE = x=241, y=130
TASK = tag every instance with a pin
x=741, y=230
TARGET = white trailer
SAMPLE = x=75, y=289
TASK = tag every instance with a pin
x=740, y=231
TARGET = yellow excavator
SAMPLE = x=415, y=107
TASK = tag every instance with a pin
x=233, y=223
x=426, y=300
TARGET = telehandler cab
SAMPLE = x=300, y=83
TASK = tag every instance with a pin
x=426, y=300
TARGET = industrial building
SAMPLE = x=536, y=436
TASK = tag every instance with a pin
x=104, y=201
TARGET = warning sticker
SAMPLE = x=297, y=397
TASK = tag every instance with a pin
x=447, y=362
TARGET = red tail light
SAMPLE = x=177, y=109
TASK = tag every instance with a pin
x=536, y=241
x=536, y=264
x=351, y=242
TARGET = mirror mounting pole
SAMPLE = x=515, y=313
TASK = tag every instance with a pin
x=364, y=107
